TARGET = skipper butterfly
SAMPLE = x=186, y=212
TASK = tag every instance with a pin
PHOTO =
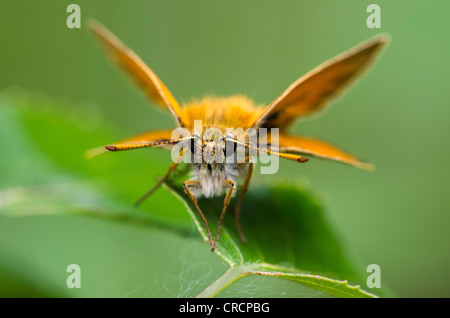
x=214, y=175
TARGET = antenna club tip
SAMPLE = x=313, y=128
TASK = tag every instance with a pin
x=303, y=159
x=111, y=148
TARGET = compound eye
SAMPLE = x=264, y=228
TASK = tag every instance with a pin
x=194, y=142
x=230, y=146
x=192, y=145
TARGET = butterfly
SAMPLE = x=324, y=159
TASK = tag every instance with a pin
x=214, y=177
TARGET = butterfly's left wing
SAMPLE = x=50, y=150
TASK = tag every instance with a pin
x=309, y=93
x=138, y=70
x=319, y=149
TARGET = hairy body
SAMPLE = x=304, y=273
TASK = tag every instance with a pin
x=220, y=114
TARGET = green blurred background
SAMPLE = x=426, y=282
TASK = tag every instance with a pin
x=397, y=117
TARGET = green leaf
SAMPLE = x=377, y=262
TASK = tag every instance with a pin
x=285, y=224
x=44, y=170
x=288, y=237
x=327, y=285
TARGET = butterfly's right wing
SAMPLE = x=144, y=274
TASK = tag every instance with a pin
x=311, y=92
x=319, y=149
x=142, y=74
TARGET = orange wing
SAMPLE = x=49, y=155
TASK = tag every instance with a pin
x=163, y=137
x=309, y=93
x=143, y=75
x=320, y=149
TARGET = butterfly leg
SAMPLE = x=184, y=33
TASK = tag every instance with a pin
x=237, y=211
x=172, y=168
x=193, y=183
x=226, y=203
